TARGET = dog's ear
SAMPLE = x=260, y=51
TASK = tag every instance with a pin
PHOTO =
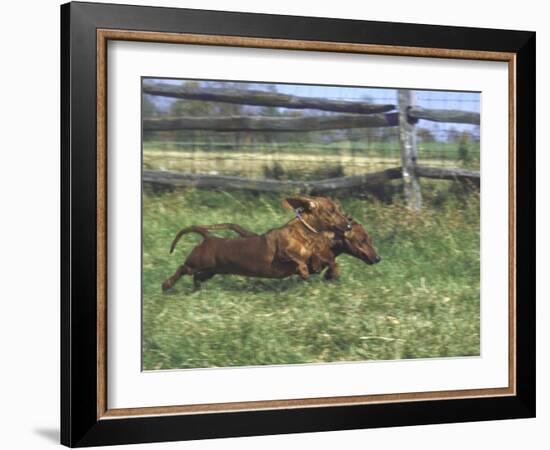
x=299, y=202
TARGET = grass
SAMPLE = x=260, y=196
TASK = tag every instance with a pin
x=450, y=151
x=313, y=163
x=421, y=301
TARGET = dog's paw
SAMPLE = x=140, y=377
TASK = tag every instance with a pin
x=331, y=278
x=168, y=290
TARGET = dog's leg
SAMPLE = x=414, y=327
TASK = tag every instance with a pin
x=196, y=283
x=300, y=260
x=316, y=264
x=180, y=271
x=302, y=270
x=200, y=277
x=333, y=271
x=301, y=266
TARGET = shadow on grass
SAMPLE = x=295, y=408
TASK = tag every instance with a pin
x=249, y=285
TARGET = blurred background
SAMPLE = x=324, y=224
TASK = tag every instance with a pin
x=303, y=154
x=403, y=163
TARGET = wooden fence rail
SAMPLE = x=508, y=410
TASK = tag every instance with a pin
x=444, y=115
x=292, y=124
x=263, y=98
x=358, y=114
x=275, y=99
x=182, y=179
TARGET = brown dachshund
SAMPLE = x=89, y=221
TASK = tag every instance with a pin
x=325, y=247
x=274, y=254
x=355, y=242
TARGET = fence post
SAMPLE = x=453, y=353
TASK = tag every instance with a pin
x=407, y=136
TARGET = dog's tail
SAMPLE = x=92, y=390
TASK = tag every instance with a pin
x=243, y=232
x=203, y=231
x=192, y=229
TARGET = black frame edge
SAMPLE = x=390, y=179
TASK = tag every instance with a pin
x=79, y=425
x=232, y=23
x=79, y=231
x=65, y=416
x=525, y=223
x=301, y=420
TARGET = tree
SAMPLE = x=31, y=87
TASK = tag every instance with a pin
x=425, y=135
x=463, y=147
x=149, y=108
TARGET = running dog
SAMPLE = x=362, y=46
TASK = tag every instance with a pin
x=277, y=253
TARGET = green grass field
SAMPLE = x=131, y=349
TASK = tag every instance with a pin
x=390, y=148
x=421, y=301
x=299, y=161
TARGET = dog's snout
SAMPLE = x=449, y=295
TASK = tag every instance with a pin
x=377, y=259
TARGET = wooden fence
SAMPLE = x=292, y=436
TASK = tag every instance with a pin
x=231, y=183
x=352, y=114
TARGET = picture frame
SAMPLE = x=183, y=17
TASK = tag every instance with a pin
x=86, y=29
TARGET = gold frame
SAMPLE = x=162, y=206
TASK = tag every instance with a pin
x=103, y=36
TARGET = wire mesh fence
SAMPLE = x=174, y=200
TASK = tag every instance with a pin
x=304, y=154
